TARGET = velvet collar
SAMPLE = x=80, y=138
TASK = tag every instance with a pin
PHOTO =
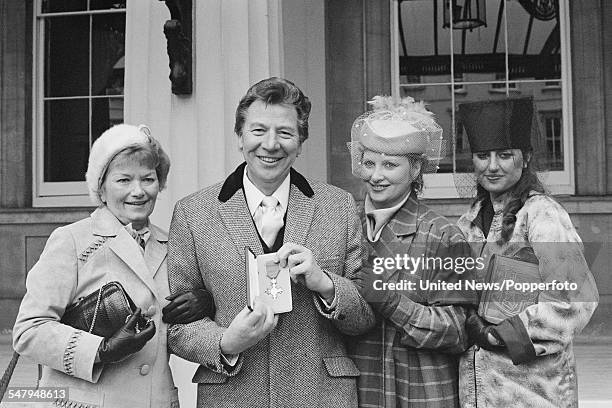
x=233, y=183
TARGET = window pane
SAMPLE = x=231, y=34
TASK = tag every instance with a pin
x=479, y=52
x=424, y=46
x=552, y=138
x=105, y=113
x=534, y=42
x=108, y=50
x=66, y=56
x=56, y=6
x=107, y=4
x=66, y=140
x=550, y=85
x=548, y=142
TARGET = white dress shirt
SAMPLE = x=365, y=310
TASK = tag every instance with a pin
x=254, y=196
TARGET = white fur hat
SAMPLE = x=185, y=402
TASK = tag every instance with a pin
x=105, y=148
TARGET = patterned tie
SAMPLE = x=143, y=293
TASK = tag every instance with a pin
x=140, y=240
x=141, y=236
x=269, y=219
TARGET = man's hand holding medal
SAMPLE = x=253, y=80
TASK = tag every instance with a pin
x=303, y=269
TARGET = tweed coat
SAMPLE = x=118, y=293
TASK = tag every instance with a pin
x=303, y=362
x=410, y=359
x=77, y=260
x=544, y=371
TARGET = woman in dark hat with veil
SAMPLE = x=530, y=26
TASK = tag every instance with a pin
x=520, y=357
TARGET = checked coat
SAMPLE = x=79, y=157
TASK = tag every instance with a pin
x=303, y=362
x=410, y=358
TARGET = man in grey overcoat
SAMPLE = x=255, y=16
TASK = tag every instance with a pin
x=249, y=356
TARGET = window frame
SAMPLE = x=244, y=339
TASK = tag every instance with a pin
x=508, y=86
x=557, y=182
x=459, y=88
x=65, y=193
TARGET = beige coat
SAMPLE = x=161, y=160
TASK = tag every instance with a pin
x=77, y=260
x=547, y=376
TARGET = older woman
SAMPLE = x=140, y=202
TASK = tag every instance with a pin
x=410, y=359
x=127, y=169
x=523, y=353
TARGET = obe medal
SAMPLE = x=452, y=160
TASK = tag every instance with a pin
x=272, y=271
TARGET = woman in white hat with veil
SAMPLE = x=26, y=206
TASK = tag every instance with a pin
x=410, y=358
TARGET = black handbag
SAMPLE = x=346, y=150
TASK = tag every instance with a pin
x=102, y=312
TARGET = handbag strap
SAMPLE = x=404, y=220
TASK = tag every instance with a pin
x=95, y=316
x=8, y=373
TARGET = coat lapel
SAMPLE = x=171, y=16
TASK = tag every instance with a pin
x=125, y=247
x=404, y=222
x=380, y=247
x=236, y=217
x=300, y=212
x=386, y=247
x=401, y=225
x=156, y=249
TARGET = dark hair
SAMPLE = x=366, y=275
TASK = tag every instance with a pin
x=275, y=91
x=519, y=194
x=146, y=154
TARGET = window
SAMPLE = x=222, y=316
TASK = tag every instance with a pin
x=512, y=50
x=553, y=137
x=79, y=52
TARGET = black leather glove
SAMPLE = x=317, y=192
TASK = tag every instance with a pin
x=127, y=340
x=482, y=333
x=189, y=306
